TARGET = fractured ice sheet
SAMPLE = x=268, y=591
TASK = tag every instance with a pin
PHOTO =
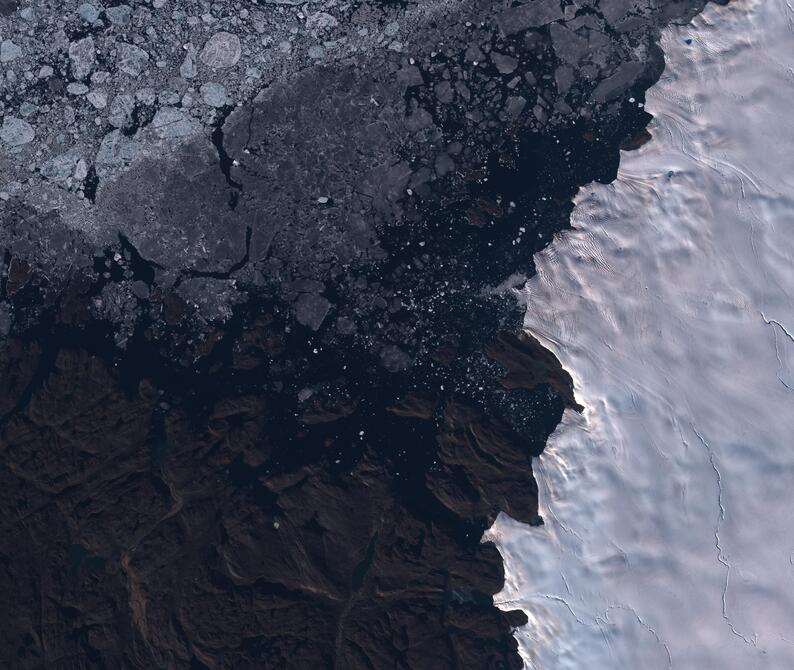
x=669, y=537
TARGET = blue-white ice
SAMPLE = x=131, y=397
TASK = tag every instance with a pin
x=669, y=506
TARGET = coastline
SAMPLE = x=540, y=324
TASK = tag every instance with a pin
x=664, y=538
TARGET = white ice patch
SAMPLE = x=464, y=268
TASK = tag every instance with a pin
x=669, y=525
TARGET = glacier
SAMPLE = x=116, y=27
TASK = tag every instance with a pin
x=668, y=536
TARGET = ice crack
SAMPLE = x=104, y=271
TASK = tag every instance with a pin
x=721, y=557
x=642, y=623
x=773, y=323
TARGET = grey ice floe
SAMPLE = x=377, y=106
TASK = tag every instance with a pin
x=321, y=21
x=170, y=122
x=504, y=64
x=214, y=94
x=222, y=50
x=116, y=149
x=98, y=99
x=188, y=68
x=9, y=51
x=82, y=55
x=311, y=309
x=119, y=15
x=132, y=59
x=394, y=359
x=61, y=167
x=121, y=109
x=88, y=12
x=16, y=132
x=76, y=88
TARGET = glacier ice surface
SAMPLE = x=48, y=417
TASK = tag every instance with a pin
x=669, y=530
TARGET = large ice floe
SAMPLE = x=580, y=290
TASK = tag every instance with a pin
x=669, y=527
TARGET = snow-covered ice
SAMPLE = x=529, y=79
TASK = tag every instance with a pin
x=669, y=526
